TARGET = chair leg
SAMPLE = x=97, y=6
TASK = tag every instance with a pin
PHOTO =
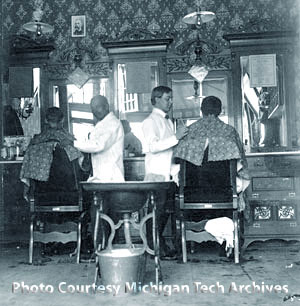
x=97, y=272
x=96, y=229
x=236, y=237
x=173, y=226
x=78, y=241
x=192, y=247
x=183, y=242
x=31, y=240
x=156, y=245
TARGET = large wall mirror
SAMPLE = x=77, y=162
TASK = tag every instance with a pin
x=133, y=83
x=263, y=90
x=21, y=110
x=189, y=93
x=138, y=67
x=264, y=109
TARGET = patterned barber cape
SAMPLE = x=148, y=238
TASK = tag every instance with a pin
x=39, y=154
x=223, y=141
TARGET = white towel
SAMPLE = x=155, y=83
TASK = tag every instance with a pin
x=222, y=229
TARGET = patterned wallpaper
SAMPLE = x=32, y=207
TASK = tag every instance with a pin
x=109, y=18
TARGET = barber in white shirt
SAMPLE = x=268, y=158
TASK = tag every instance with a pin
x=105, y=144
x=160, y=138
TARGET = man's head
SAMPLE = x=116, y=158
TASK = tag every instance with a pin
x=211, y=105
x=78, y=25
x=161, y=98
x=99, y=107
x=54, y=118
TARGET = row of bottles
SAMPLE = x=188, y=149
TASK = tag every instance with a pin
x=10, y=152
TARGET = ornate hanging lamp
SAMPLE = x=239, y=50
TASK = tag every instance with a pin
x=36, y=26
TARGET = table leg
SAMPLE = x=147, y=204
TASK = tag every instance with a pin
x=158, y=273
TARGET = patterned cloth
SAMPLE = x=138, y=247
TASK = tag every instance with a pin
x=223, y=141
x=39, y=154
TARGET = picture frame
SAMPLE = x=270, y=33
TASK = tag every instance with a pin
x=78, y=26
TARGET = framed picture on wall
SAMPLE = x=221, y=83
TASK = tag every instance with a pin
x=78, y=26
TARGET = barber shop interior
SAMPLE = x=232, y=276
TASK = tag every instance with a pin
x=150, y=152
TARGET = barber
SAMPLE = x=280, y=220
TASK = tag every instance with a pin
x=160, y=139
x=105, y=143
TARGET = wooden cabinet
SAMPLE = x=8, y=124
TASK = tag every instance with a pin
x=264, y=115
x=273, y=197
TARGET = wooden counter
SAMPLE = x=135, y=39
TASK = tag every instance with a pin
x=273, y=197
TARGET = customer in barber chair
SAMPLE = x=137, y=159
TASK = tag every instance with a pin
x=38, y=156
x=211, y=143
x=52, y=172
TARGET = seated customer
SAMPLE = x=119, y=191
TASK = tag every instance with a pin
x=207, y=149
x=209, y=139
x=38, y=157
x=51, y=163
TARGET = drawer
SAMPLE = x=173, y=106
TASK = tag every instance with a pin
x=257, y=163
x=272, y=183
x=276, y=229
x=273, y=218
x=273, y=210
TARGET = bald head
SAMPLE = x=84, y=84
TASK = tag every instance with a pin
x=99, y=107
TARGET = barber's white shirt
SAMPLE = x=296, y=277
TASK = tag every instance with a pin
x=106, y=143
x=159, y=139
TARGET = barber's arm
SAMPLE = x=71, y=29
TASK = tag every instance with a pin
x=155, y=144
x=100, y=140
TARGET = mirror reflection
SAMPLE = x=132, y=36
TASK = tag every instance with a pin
x=76, y=103
x=188, y=95
x=263, y=111
x=134, y=94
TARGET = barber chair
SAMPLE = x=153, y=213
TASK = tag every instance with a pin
x=206, y=192
x=56, y=207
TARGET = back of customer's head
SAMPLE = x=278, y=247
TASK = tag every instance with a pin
x=54, y=118
x=158, y=92
x=99, y=107
x=211, y=105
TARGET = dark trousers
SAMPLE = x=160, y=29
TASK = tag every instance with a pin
x=162, y=217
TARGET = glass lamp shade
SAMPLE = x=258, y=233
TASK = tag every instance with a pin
x=199, y=17
x=38, y=27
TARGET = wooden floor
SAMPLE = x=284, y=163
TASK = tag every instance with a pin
x=267, y=275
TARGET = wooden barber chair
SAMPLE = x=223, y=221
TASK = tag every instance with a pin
x=55, y=206
x=206, y=192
